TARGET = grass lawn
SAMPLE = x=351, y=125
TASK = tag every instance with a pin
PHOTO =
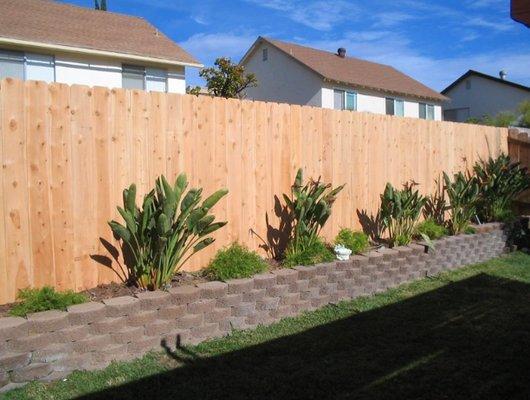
x=462, y=335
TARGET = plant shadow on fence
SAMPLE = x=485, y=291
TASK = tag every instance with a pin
x=465, y=340
x=119, y=267
x=277, y=237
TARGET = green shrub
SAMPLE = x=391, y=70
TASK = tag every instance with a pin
x=308, y=254
x=309, y=208
x=462, y=193
x=431, y=229
x=35, y=300
x=170, y=227
x=357, y=242
x=400, y=210
x=500, y=181
x=235, y=261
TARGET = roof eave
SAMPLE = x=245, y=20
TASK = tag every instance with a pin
x=410, y=95
x=103, y=53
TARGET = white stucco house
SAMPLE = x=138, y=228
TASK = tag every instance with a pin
x=475, y=95
x=55, y=42
x=290, y=73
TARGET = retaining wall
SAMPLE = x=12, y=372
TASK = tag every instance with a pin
x=50, y=344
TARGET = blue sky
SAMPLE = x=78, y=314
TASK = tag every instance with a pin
x=434, y=41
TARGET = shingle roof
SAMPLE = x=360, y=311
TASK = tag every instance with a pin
x=49, y=22
x=485, y=76
x=355, y=72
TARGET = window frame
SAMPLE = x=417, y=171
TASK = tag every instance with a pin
x=265, y=54
x=395, y=101
x=145, y=76
x=351, y=93
x=343, y=96
x=424, y=110
x=150, y=77
x=5, y=56
x=431, y=108
x=128, y=69
x=345, y=93
x=53, y=64
x=25, y=61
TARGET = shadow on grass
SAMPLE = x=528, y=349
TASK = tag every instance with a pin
x=466, y=340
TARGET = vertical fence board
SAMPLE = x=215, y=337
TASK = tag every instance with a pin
x=61, y=185
x=15, y=188
x=38, y=158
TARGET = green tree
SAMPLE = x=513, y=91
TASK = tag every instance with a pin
x=226, y=79
x=502, y=119
x=524, y=109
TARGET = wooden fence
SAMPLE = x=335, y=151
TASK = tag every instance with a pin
x=68, y=152
x=519, y=150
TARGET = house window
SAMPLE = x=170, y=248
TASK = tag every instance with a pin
x=422, y=110
x=394, y=107
x=430, y=111
x=343, y=100
x=265, y=54
x=156, y=80
x=133, y=77
x=389, y=106
x=338, y=99
x=351, y=101
x=150, y=79
x=11, y=64
x=426, y=111
x=19, y=65
x=399, y=108
x=40, y=67
x=468, y=84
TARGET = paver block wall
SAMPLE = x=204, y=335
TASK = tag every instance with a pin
x=50, y=344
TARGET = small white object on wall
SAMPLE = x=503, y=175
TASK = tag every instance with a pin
x=342, y=253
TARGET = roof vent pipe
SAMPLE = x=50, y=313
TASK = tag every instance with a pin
x=341, y=52
x=502, y=74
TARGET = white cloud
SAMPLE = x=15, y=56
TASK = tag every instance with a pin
x=486, y=3
x=322, y=15
x=391, y=18
x=497, y=26
x=208, y=46
x=200, y=19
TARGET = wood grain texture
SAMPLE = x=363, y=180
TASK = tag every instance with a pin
x=68, y=152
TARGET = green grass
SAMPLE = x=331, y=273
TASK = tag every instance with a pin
x=461, y=335
x=46, y=298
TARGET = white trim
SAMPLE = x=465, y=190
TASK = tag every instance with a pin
x=80, y=50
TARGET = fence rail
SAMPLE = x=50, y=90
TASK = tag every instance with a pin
x=68, y=152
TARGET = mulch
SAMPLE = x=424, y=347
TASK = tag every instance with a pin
x=110, y=290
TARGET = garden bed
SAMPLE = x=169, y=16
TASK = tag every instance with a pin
x=476, y=314
x=50, y=344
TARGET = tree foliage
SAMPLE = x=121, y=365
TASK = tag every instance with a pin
x=226, y=79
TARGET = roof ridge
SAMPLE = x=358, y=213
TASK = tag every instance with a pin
x=60, y=3
x=485, y=76
x=327, y=52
